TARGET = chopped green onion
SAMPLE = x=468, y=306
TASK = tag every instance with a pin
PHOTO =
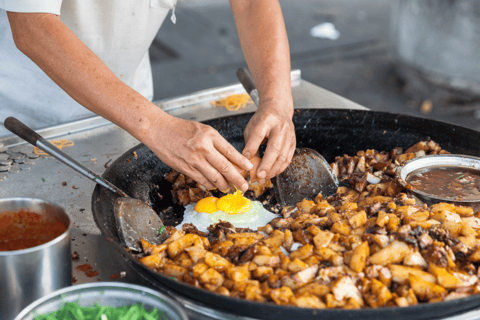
x=461, y=176
x=75, y=311
x=161, y=230
x=43, y=179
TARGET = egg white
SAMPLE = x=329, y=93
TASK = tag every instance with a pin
x=256, y=217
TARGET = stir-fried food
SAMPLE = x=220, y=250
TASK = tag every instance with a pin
x=369, y=245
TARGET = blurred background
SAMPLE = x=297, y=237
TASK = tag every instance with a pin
x=415, y=57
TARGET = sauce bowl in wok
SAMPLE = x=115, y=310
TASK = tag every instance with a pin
x=451, y=162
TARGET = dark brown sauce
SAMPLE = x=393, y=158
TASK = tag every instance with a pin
x=25, y=229
x=455, y=183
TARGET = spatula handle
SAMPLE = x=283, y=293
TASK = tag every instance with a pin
x=26, y=133
x=21, y=130
x=247, y=82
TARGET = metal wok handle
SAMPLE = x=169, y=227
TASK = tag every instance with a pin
x=26, y=133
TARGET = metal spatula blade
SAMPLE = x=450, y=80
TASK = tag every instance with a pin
x=134, y=218
x=308, y=173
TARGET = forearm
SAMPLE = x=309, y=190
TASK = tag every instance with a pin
x=265, y=46
x=190, y=147
x=78, y=71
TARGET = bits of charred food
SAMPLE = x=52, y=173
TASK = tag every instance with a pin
x=369, y=245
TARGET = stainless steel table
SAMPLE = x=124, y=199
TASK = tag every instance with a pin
x=97, y=142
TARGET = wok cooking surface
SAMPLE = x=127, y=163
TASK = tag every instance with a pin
x=332, y=132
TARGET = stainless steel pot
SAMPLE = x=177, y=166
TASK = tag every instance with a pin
x=29, y=274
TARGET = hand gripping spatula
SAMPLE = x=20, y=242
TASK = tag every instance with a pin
x=308, y=173
x=135, y=219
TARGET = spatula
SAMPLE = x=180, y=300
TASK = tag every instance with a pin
x=308, y=173
x=135, y=219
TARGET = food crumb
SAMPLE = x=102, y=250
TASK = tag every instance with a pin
x=84, y=267
x=74, y=279
x=75, y=255
x=73, y=187
x=426, y=107
x=93, y=160
x=135, y=154
x=123, y=274
x=91, y=273
x=64, y=183
x=114, y=276
x=128, y=160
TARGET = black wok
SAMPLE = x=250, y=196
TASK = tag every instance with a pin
x=332, y=132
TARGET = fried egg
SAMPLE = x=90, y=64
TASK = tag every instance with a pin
x=233, y=208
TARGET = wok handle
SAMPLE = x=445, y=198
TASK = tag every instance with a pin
x=26, y=133
x=247, y=81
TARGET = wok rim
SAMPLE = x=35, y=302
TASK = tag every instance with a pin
x=473, y=302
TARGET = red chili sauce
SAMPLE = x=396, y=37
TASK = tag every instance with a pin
x=455, y=183
x=25, y=229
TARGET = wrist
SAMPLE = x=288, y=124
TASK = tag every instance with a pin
x=282, y=105
x=146, y=123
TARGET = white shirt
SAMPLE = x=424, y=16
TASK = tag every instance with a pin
x=118, y=31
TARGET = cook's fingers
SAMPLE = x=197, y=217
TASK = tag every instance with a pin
x=231, y=154
x=212, y=173
x=202, y=172
x=193, y=173
x=255, y=139
x=272, y=153
x=283, y=160
x=201, y=179
x=227, y=171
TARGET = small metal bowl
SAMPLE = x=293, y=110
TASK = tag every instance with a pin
x=107, y=294
x=451, y=160
x=31, y=273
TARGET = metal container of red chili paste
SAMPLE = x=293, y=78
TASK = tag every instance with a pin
x=450, y=178
x=34, y=252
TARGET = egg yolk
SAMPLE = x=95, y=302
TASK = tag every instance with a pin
x=231, y=203
x=207, y=205
x=234, y=203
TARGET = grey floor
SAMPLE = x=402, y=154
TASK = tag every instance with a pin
x=202, y=51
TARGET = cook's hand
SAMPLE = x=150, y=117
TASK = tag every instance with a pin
x=274, y=124
x=200, y=152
